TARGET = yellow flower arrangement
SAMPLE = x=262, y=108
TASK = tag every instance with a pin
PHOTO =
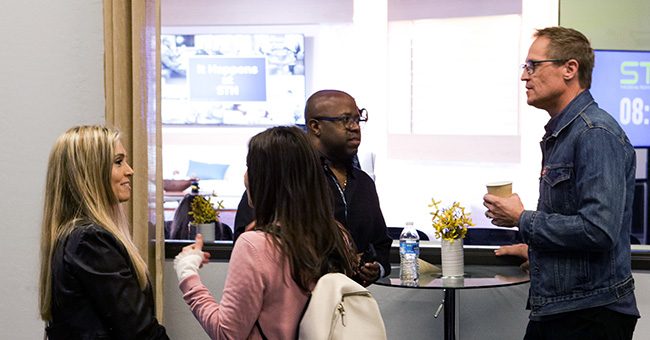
x=202, y=210
x=450, y=223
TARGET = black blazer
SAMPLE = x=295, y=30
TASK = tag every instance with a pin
x=95, y=291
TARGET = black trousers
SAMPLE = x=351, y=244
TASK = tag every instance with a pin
x=597, y=323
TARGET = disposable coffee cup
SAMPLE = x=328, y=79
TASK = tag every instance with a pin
x=501, y=189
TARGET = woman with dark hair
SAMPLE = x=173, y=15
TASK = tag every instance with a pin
x=272, y=268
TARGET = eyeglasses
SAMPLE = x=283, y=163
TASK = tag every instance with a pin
x=346, y=120
x=529, y=66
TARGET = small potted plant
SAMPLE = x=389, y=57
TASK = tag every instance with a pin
x=450, y=225
x=204, y=216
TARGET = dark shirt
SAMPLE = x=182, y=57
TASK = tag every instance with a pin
x=356, y=207
x=95, y=291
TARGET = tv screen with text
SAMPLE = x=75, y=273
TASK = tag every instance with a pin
x=621, y=86
x=232, y=79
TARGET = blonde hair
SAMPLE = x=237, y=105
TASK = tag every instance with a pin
x=78, y=190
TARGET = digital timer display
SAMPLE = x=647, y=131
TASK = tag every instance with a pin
x=621, y=86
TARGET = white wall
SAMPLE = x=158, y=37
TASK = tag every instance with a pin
x=51, y=77
x=627, y=25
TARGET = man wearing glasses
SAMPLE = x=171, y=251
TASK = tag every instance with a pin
x=578, y=239
x=333, y=123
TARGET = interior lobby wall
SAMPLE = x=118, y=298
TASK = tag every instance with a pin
x=615, y=25
x=51, y=78
x=486, y=314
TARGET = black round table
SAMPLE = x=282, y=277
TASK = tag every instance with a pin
x=476, y=276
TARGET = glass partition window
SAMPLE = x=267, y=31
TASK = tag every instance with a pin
x=434, y=88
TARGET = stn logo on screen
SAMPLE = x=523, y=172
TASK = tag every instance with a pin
x=634, y=70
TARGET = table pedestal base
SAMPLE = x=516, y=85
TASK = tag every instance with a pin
x=450, y=314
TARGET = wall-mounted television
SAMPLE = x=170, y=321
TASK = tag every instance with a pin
x=232, y=79
x=621, y=86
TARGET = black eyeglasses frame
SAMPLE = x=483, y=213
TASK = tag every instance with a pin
x=346, y=120
x=529, y=65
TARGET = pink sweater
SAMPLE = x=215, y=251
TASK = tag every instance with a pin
x=258, y=286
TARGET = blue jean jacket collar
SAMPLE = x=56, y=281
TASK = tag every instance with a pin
x=570, y=113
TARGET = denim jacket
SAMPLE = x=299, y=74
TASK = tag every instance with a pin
x=579, y=237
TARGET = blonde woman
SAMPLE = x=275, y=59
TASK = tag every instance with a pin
x=94, y=283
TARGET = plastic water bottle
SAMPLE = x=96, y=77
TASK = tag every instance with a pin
x=409, y=251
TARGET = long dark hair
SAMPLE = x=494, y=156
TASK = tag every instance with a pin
x=292, y=202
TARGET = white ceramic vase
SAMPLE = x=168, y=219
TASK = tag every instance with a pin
x=452, y=258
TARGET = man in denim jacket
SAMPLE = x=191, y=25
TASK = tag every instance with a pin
x=578, y=239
